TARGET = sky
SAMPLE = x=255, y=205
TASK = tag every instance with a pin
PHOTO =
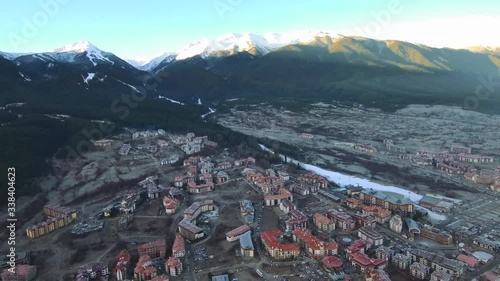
x=145, y=29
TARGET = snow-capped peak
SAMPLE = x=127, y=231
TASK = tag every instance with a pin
x=79, y=47
x=238, y=42
x=69, y=52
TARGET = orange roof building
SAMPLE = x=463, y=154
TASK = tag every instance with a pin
x=154, y=249
x=179, y=247
x=271, y=241
x=144, y=270
x=323, y=223
x=314, y=247
x=274, y=200
x=173, y=266
x=235, y=234
x=122, y=265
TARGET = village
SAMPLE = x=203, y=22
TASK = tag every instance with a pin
x=197, y=211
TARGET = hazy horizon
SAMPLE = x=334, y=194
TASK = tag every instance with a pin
x=163, y=27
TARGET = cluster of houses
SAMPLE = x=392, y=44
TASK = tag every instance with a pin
x=424, y=265
x=152, y=257
x=202, y=174
x=458, y=161
x=191, y=144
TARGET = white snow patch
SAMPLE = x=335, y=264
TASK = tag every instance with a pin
x=210, y=112
x=170, y=100
x=102, y=121
x=130, y=86
x=89, y=77
x=26, y=78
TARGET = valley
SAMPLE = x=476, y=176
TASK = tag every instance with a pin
x=328, y=133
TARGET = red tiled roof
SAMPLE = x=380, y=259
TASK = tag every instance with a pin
x=470, y=261
x=238, y=231
x=332, y=262
x=319, y=218
x=179, y=244
x=271, y=239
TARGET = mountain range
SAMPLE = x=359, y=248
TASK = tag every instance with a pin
x=51, y=100
x=300, y=66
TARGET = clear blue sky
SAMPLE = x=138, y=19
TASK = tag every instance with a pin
x=143, y=29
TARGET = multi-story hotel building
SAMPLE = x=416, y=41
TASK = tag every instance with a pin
x=272, y=242
x=378, y=198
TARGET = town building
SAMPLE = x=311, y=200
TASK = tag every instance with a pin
x=437, y=262
x=173, y=266
x=235, y=234
x=437, y=235
x=332, y=264
x=272, y=243
x=451, y=167
x=460, y=150
x=384, y=253
x=365, y=148
x=370, y=235
x=286, y=206
x=357, y=246
x=482, y=257
x=439, y=275
x=93, y=271
x=274, y=200
x=145, y=269
x=401, y=261
x=364, y=220
x=122, y=266
x=155, y=249
x=244, y=162
x=179, y=246
x=376, y=275
x=314, y=247
x=342, y=220
x=22, y=272
x=296, y=219
x=380, y=214
x=429, y=202
x=420, y=271
x=363, y=263
x=468, y=260
x=102, y=143
x=323, y=223
x=396, y=224
x=390, y=146
x=474, y=158
x=246, y=245
x=329, y=196
x=222, y=177
x=487, y=242
x=170, y=204
x=57, y=217
x=170, y=160
x=187, y=226
x=412, y=227
x=353, y=203
x=247, y=210
x=390, y=202
x=315, y=180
